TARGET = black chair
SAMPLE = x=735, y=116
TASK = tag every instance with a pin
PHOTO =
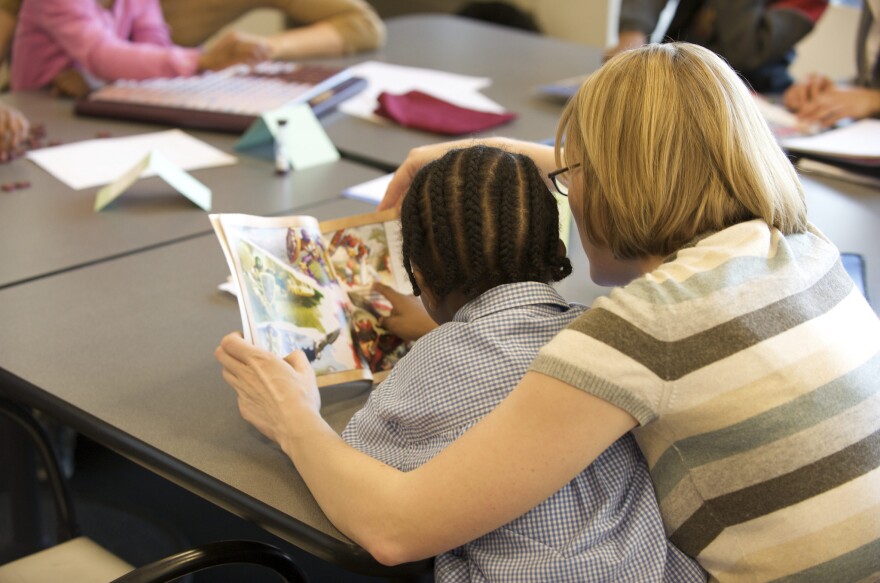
x=76, y=558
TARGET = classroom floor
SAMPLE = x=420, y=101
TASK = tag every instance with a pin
x=141, y=517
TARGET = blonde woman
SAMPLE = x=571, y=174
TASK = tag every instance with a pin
x=736, y=349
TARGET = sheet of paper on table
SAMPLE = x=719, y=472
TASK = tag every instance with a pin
x=858, y=142
x=101, y=161
x=460, y=90
x=370, y=191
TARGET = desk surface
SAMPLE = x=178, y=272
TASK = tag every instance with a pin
x=49, y=227
x=516, y=61
x=129, y=363
x=118, y=343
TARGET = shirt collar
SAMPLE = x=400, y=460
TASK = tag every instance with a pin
x=507, y=296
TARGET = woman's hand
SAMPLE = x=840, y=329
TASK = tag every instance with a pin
x=272, y=392
x=418, y=157
x=405, y=173
x=408, y=318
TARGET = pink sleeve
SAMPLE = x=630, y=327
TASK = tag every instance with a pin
x=78, y=28
x=149, y=26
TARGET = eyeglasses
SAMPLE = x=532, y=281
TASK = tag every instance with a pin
x=559, y=180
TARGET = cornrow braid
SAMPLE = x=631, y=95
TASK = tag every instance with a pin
x=477, y=218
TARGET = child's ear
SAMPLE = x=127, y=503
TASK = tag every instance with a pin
x=560, y=249
x=427, y=297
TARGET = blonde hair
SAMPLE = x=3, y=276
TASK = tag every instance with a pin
x=672, y=146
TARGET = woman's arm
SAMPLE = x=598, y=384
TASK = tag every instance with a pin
x=535, y=442
x=542, y=154
x=638, y=19
x=327, y=28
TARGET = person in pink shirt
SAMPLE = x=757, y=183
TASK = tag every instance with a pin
x=71, y=45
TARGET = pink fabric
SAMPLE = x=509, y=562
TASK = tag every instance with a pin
x=128, y=41
x=425, y=112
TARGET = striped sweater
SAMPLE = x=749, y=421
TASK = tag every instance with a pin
x=753, y=367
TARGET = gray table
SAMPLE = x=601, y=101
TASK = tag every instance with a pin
x=516, y=61
x=849, y=215
x=122, y=351
x=49, y=227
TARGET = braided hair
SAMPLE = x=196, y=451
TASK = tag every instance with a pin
x=477, y=218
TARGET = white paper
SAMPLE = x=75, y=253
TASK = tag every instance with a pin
x=460, y=90
x=101, y=161
x=370, y=191
x=859, y=140
x=783, y=123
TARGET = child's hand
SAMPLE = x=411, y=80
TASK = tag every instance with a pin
x=70, y=83
x=234, y=48
x=14, y=129
x=408, y=318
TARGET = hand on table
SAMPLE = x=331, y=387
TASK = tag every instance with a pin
x=408, y=318
x=272, y=391
x=803, y=92
x=70, y=83
x=234, y=48
x=14, y=130
x=839, y=103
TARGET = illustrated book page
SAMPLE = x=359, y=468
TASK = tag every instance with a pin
x=304, y=285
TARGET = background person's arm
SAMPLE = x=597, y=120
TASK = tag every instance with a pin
x=839, y=103
x=327, y=28
x=638, y=19
x=749, y=33
x=535, y=442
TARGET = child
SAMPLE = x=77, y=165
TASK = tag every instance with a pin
x=73, y=45
x=480, y=244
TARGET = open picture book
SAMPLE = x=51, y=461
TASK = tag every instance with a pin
x=305, y=285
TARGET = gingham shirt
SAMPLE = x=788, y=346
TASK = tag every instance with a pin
x=603, y=526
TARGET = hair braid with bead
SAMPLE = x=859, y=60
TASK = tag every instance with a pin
x=480, y=217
